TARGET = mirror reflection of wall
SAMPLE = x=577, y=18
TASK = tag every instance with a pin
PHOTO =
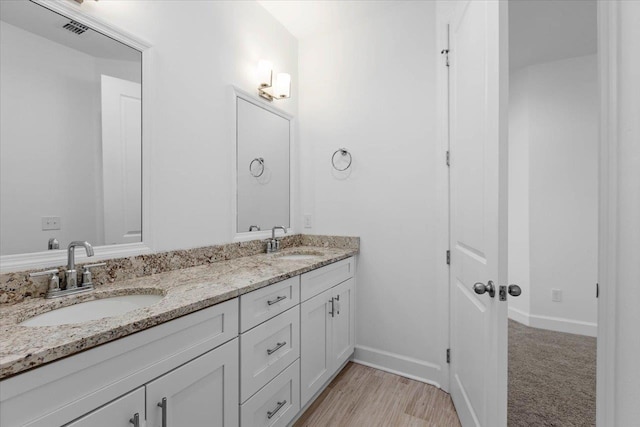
x=262, y=168
x=70, y=136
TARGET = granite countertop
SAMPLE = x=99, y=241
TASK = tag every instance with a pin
x=185, y=291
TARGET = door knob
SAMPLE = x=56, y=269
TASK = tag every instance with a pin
x=515, y=290
x=480, y=288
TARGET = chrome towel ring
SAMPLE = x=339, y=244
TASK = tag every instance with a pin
x=260, y=161
x=344, y=152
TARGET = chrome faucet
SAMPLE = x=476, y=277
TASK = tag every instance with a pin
x=277, y=227
x=72, y=274
x=273, y=244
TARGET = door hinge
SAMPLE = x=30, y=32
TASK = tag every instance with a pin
x=448, y=158
x=448, y=257
x=445, y=52
x=448, y=355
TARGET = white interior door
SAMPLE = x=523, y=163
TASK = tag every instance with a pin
x=478, y=84
x=343, y=323
x=121, y=160
x=315, y=344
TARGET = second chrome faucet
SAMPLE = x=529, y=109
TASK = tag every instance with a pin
x=273, y=244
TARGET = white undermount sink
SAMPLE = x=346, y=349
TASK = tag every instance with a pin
x=92, y=310
x=297, y=256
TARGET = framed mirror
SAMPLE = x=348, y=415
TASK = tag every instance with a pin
x=71, y=135
x=263, y=167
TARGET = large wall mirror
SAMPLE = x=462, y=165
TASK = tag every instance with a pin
x=71, y=133
x=262, y=166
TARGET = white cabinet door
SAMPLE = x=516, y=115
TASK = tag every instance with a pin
x=122, y=412
x=343, y=323
x=315, y=345
x=203, y=392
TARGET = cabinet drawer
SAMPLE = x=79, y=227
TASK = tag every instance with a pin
x=263, y=304
x=277, y=403
x=267, y=349
x=316, y=281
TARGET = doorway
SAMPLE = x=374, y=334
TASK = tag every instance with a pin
x=565, y=180
x=553, y=212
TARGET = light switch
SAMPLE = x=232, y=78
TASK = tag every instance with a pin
x=51, y=223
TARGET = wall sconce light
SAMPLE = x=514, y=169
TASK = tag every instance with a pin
x=282, y=87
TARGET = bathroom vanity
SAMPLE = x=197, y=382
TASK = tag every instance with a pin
x=244, y=342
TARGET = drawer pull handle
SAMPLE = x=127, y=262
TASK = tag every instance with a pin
x=333, y=307
x=270, y=414
x=274, y=301
x=163, y=405
x=276, y=348
x=135, y=420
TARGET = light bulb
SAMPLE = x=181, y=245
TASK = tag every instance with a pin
x=282, y=87
x=264, y=73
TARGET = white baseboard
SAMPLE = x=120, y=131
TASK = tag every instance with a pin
x=557, y=324
x=519, y=316
x=407, y=367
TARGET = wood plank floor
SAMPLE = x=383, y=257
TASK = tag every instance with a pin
x=363, y=396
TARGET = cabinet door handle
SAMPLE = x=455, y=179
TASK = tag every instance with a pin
x=270, y=414
x=273, y=301
x=338, y=309
x=135, y=420
x=278, y=346
x=163, y=405
x=333, y=308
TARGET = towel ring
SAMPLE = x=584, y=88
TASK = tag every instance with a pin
x=344, y=152
x=259, y=160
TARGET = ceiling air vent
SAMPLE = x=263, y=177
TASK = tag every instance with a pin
x=75, y=27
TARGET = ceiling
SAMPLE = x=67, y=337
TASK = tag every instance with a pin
x=543, y=31
x=43, y=22
x=540, y=30
x=305, y=18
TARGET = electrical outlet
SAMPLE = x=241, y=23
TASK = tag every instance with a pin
x=308, y=221
x=556, y=295
x=51, y=223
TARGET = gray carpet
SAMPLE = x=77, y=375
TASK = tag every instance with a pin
x=552, y=378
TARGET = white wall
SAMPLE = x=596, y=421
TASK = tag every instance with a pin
x=371, y=89
x=199, y=50
x=554, y=193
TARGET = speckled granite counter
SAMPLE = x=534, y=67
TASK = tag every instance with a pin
x=186, y=290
